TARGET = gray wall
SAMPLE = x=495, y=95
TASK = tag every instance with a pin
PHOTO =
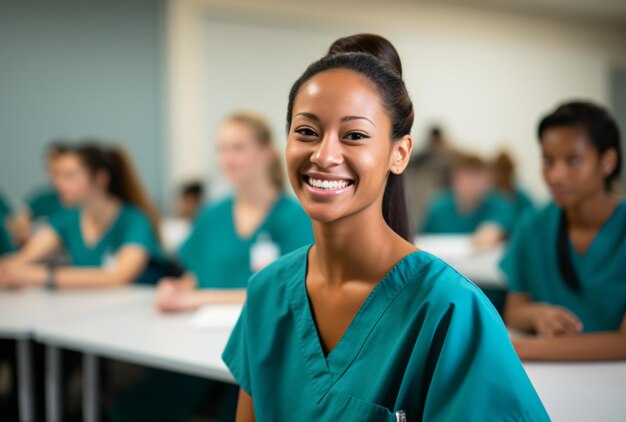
x=72, y=68
x=618, y=104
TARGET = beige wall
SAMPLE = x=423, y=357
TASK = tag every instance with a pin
x=485, y=76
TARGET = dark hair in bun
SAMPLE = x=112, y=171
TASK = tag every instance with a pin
x=372, y=44
x=375, y=58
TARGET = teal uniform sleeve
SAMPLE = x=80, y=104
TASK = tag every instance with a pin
x=236, y=353
x=190, y=253
x=5, y=208
x=430, y=221
x=473, y=362
x=514, y=262
x=498, y=210
x=297, y=231
x=138, y=231
x=61, y=223
x=44, y=204
x=6, y=244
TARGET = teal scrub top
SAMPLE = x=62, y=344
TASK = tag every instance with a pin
x=531, y=266
x=6, y=244
x=5, y=207
x=44, y=203
x=426, y=341
x=519, y=201
x=131, y=227
x=220, y=259
x=443, y=217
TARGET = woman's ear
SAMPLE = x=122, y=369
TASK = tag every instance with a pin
x=608, y=161
x=401, y=154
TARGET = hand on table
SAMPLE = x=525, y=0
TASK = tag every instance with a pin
x=173, y=296
x=17, y=275
x=552, y=321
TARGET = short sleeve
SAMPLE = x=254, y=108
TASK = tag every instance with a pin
x=236, y=355
x=189, y=251
x=138, y=231
x=5, y=208
x=475, y=372
x=514, y=264
x=61, y=223
x=298, y=231
x=500, y=211
x=6, y=244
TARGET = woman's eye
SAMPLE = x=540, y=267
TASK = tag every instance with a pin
x=305, y=131
x=574, y=161
x=356, y=136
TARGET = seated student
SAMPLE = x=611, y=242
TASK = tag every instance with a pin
x=231, y=239
x=189, y=200
x=503, y=172
x=44, y=202
x=237, y=236
x=362, y=326
x=109, y=234
x=470, y=206
x=565, y=263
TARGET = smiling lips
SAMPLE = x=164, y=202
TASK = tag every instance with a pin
x=327, y=185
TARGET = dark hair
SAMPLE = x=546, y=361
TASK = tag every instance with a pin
x=600, y=126
x=263, y=134
x=57, y=147
x=195, y=189
x=375, y=58
x=123, y=181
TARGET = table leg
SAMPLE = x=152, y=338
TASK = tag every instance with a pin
x=25, y=380
x=54, y=396
x=91, y=405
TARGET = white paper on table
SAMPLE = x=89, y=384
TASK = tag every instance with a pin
x=216, y=316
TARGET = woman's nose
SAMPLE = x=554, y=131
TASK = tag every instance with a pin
x=328, y=152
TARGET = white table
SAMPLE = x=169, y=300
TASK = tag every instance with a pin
x=581, y=391
x=21, y=312
x=480, y=266
x=136, y=334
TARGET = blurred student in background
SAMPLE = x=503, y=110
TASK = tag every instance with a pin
x=109, y=230
x=470, y=206
x=565, y=263
x=239, y=235
x=189, y=201
x=44, y=202
x=428, y=173
x=231, y=239
x=503, y=172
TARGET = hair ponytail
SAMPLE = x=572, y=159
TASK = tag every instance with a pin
x=123, y=183
x=377, y=59
x=263, y=135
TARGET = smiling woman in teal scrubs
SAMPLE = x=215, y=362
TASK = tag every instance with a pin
x=109, y=235
x=565, y=264
x=362, y=326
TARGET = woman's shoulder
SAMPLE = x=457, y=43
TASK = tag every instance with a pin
x=287, y=206
x=216, y=209
x=440, y=285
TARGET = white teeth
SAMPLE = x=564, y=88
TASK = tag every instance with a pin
x=327, y=184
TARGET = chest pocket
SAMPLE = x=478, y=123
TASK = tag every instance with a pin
x=348, y=408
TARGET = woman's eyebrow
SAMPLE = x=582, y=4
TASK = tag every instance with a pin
x=350, y=118
x=344, y=119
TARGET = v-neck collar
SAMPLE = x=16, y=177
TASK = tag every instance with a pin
x=260, y=227
x=326, y=370
x=590, y=252
x=105, y=234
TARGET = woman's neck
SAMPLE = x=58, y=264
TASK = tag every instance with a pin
x=257, y=193
x=101, y=209
x=359, y=247
x=592, y=212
